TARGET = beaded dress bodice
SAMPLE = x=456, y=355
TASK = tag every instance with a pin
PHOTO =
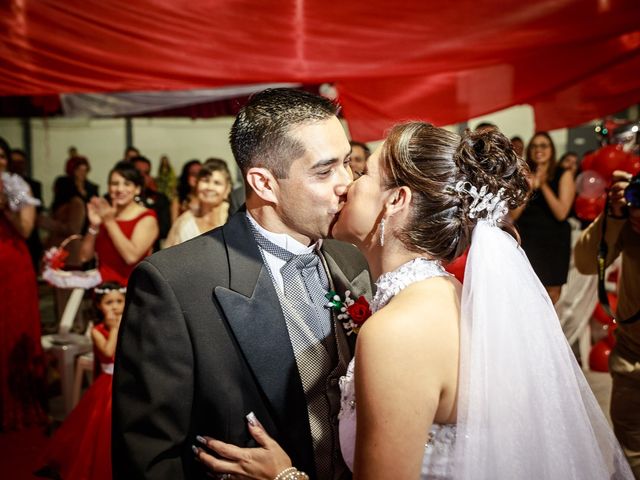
x=437, y=462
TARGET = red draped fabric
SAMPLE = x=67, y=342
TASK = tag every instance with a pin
x=572, y=60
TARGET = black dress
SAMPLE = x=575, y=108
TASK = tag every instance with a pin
x=545, y=240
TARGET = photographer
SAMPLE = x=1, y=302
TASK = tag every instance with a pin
x=622, y=237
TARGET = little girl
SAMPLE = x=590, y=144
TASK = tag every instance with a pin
x=81, y=447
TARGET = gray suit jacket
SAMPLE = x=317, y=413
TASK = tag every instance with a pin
x=203, y=342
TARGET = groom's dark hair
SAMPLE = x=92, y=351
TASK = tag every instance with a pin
x=260, y=135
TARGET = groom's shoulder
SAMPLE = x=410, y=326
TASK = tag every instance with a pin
x=345, y=254
x=192, y=254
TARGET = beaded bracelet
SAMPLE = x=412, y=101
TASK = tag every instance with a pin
x=291, y=473
x=93, y=230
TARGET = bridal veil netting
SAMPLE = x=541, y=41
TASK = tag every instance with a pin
x=525, y=410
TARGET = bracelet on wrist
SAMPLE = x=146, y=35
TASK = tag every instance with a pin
x=93, y=230
x=291, y=473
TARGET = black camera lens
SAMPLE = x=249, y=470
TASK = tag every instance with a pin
x=632, y=192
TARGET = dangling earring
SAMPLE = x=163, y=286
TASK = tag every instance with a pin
x=382, y=232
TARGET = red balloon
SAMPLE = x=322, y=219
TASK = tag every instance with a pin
x=457, y=266
x=608, y=159
x=599, y=356
x=634, y=164
x=587, y=161
x=589, y=208
x=590, y=184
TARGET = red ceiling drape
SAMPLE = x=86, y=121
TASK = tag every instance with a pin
x=572, y=60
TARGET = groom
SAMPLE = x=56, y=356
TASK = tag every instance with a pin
x=234, y=320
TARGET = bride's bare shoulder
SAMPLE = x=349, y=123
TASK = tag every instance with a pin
x=420, y=323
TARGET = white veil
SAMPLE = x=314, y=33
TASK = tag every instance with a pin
x=525, y=410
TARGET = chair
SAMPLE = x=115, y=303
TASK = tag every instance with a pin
x=84, y=364
x=66, y=346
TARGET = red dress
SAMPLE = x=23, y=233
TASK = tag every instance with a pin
x=111, y=265
x=81, y=448
x=22, y=363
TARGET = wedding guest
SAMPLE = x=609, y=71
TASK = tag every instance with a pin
x=22, y=365
x=130, y=153
x=569, y=161
x=212, y=191
x=186, y=198
x=121, y=232
x=81, y=448
x=67, y=215
x=542, y=223
x=518, y=145
x=359, y=154
x=152, y=198
x=20, y=165
x=622, y=238
x=166, y=179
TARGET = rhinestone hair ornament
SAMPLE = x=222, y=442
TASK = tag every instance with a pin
x=101, y=291
x=493, y=204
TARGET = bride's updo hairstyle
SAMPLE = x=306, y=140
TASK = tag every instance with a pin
x=431, y=161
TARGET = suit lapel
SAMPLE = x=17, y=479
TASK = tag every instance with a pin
x=357, y=282
x=254, y=314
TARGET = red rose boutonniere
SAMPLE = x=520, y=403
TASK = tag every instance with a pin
x=352, y=313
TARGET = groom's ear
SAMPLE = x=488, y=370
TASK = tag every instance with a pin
x=263, y=183
x=399, y=201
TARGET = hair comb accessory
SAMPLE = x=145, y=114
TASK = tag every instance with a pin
x=484, y=201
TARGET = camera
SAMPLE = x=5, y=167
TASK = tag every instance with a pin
x=632, y=192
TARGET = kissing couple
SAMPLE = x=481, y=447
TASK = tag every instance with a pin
x=233, y=360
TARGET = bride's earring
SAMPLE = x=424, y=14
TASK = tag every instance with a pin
x=382, y=232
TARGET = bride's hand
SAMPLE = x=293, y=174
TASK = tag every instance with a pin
x=262, y=463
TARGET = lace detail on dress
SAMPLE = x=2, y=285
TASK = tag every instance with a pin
x=391, y=283
x=439, y=449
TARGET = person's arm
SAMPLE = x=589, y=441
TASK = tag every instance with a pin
x=153, y=382
x=585, y=250
x=560, y=205
x=174, y=237
x=106, y=346
x=404, y=358
x=132, y=249
x=23, y=220
x=88, y=245
x=175, y=208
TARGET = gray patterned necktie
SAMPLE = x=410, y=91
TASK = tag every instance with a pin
x=305, y=285
x=309, y=325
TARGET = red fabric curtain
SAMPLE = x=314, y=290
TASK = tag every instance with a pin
x=445, y=62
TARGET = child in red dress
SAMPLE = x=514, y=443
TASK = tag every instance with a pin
x=81, y=448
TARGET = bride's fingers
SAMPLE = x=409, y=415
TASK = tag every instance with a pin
x=257, y=431
x=217, y=465
x=226, y=450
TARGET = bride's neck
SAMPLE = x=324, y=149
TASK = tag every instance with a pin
x=388, y=258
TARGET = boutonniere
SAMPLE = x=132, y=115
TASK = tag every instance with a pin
x=352, y=313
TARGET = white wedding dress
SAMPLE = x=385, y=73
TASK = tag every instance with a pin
x=439, y=451
x=525, y=409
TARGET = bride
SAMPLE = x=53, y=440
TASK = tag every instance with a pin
x=452, y=382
